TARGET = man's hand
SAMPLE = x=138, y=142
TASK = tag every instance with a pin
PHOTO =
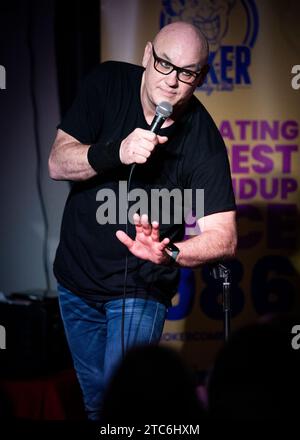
x=138, y=146
x=146, y=244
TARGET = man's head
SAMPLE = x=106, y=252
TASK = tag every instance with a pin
x=179, y=45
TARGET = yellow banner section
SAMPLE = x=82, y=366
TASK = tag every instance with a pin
x=253, y=93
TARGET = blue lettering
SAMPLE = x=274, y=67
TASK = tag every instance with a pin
x=226, y=63
x=187, y=290
x=229, y=66
x=242, y=62
x=212, y=72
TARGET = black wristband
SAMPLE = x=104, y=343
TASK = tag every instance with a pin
x=104, y=157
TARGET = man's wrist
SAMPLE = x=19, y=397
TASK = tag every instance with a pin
x=172, y=251
x=104, y=157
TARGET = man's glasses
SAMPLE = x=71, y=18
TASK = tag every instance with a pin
x=165, y=67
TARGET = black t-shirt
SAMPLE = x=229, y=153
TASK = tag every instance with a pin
x=90, y=260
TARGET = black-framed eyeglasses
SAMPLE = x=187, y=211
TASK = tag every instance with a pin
x=165, y=67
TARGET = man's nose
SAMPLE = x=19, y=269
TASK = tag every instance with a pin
x=172, y=79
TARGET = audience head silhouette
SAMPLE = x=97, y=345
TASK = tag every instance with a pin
x=151, y=385
x=256, y=374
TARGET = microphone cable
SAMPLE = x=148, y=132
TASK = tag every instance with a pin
x=126, y=263
x=163, y=111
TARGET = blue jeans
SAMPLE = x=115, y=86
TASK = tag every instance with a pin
x=94, y=336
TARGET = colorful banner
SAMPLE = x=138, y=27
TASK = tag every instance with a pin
x=252, y=92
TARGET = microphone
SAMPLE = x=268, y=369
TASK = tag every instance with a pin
x=162, y=112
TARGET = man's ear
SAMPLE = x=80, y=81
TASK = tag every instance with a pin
x=202, y=76
x=147, y=54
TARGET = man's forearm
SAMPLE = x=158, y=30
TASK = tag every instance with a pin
x=208, y=246
x=70, y=163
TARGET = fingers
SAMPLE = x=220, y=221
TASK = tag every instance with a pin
x=146, y=244
x=147, y=229
x=155, y=231
x=139, y=145
x=138, y=224
x=163, y=244
x=125, y=239
x=162, y=139
x=144, y=227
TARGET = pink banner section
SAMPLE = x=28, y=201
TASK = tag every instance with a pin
x=262, y=166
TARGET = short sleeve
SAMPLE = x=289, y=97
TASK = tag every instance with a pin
x=83, y=120
x=214, y=178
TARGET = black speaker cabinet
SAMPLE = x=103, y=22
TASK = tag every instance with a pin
x=35, y=341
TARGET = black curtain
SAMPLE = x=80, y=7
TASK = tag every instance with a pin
x=77, y=45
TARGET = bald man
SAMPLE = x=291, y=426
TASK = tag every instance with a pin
x=117, y=273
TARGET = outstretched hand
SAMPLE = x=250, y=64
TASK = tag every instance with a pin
x=146, y=244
